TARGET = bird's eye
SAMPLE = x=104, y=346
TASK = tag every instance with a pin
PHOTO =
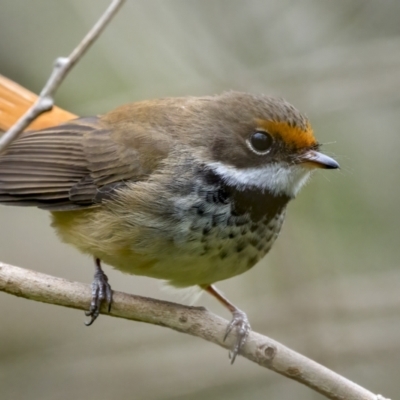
x=260, y=142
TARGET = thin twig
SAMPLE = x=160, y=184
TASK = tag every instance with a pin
x=62, y=66
x=195, y=321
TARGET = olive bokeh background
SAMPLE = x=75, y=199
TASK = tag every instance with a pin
x=330, y=286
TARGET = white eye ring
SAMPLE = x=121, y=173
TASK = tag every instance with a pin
x=260, y=142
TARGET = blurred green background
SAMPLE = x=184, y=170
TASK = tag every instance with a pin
x=329, y=288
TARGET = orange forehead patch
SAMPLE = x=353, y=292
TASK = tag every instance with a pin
x=293, y=136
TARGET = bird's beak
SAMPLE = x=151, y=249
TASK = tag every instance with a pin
x=315, y=159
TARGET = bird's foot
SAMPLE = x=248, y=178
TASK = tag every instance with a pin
x=239, y=322
x=241, y=325
x=101, y=292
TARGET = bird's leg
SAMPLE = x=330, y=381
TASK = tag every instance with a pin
x=101, y=291
x=239, y=321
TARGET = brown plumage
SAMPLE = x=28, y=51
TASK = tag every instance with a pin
x=190, y=190
x=65, y=167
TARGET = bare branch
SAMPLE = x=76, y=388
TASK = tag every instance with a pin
x=62, y=66
x=195, y=321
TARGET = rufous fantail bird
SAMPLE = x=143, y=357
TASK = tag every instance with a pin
x=191, y=190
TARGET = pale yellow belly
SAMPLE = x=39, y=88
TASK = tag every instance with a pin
x=185, y=255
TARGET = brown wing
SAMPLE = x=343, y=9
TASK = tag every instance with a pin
x=74, y=165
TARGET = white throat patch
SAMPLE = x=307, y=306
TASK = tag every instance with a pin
x=277, y=178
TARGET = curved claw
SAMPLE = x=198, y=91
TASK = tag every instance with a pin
x=239, y=322
x=242, y=327
x=92, y=319
x=101, y=291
